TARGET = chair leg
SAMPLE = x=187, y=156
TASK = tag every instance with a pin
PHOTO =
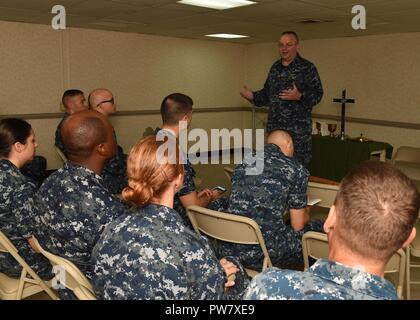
x=408, y=286
x=19, y=292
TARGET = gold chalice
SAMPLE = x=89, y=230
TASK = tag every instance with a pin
x=331, y=128
x=318, y=127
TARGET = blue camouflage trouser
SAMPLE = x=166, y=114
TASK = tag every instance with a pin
x=303, y=148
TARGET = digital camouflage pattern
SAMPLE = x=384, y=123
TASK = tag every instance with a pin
x=17, y=212
x=292, y=116
x=74, y=208
x=325, y=280
x=149, y=253
x=266, y=198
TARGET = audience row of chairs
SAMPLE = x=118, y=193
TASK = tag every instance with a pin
x=30, y=283
x=217, y=225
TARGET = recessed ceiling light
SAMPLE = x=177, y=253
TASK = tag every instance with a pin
x=218, y=4
x=226, y=36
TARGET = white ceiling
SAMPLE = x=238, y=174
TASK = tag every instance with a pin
x=262, y=22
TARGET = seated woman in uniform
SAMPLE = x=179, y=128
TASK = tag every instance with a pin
x=148, y=253
x=17, y=209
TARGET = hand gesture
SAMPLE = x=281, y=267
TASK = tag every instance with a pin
x=291, y=94
x=247, y=94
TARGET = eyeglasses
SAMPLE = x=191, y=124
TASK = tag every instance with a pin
x=105, y=101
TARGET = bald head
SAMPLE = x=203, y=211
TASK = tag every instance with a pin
x=102, y=100
x=283, y=140
x=83, y=131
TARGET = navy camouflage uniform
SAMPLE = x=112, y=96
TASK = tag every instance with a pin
x=74, y=209
x=114, y=174
x=188, y=186
x=17, y=211
x=292, y=116
x=325, y=280
x=149, y=253
x=36, y=170
x=266, y=198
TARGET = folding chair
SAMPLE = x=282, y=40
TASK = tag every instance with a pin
x=61, y=154
x=73, y=278
x=17, y=289
x=407, y=159
x=228, y=173
x=413, y=250
x=315, y=245
x=230, y=228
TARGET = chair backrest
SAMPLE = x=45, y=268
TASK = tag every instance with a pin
x=407, y=154
x=74, y=279
x=407, y=159
x=315, y=245
x=396, y=265
x=61, y=154
x=26, y=286
x=228, y=227
x=323, y=191
x=228, y=173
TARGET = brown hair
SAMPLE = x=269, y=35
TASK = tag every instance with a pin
x=377, y=207
x=13, y=130
x=174, y=107
x=291, y=33
x=148, y=178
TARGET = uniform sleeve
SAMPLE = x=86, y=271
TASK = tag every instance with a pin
x=311, y=89
x=188, y=185
x=24, y=209
x=298, y=198
x=261, y=97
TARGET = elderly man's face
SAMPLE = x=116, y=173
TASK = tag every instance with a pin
x=288, y=47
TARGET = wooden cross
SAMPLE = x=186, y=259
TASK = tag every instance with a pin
x=343, y=102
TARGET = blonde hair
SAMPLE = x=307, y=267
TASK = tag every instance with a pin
x=148, y=178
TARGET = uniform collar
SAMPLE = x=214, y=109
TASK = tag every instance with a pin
x=354, y=279
x=296, y=60
x=9, y=163
x=81, y=170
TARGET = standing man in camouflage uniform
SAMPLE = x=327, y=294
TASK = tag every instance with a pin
x=266, y=198
x=17, y=207
x=373, y=216
x=73, y=101
x=148, y=252
x=292, y=89
x=114, y=173
x=74, y=206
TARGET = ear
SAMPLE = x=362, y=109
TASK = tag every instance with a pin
x=102, y=150
x=331, y=220
x=410, y=238
x=19, y=147
x=178, y=182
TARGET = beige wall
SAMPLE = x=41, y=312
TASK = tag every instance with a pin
x=381, y=72
x=38, y=64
